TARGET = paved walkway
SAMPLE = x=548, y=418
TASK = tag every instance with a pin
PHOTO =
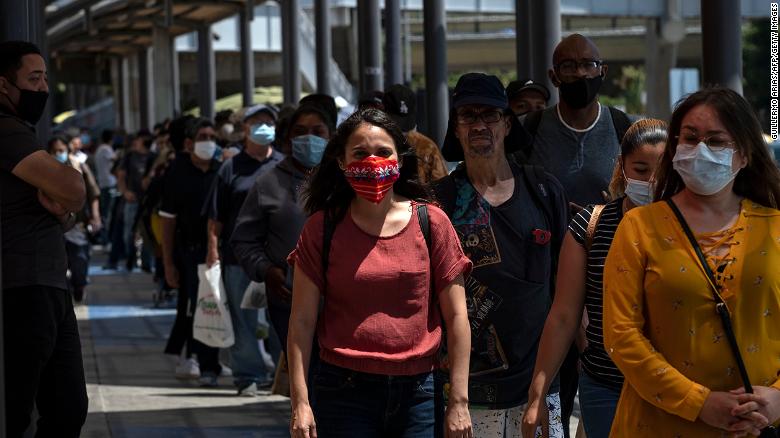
x=132, y=391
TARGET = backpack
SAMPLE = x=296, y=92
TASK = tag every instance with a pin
x=620, y=121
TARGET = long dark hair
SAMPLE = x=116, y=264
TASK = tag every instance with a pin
x=328, y=189
x=759, y=181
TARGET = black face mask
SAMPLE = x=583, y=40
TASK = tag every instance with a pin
x=580, y=93
x=31, y=104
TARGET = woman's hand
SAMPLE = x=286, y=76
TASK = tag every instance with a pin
x=302, y=423
x=770, y=410
x=457, y=421
x=535, y=415
x=718, y=407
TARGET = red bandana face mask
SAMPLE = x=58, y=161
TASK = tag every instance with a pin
x=372, y=177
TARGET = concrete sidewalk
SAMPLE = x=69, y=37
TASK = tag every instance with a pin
x=132, y=390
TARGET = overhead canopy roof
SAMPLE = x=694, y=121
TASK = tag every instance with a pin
x=124, y=26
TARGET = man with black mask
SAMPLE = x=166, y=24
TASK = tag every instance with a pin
x=38, y=198
x=577, y=140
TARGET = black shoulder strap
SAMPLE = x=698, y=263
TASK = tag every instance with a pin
x=720, y=305
x=535, y=179
x=446, y=193
x=425, y=224
x=621, y=122
x=328, y=228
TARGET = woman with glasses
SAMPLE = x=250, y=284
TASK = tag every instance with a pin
x=694, y=275
x=579, y=286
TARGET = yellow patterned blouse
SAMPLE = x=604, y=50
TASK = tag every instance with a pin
x=660, y=324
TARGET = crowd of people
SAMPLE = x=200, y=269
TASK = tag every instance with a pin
x=570, y=249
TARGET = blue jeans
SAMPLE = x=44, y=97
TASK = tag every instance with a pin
x=353, y=404
x=248, y=365
x=598, y=403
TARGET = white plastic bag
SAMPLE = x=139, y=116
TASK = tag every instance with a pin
x=212, y=324
x=254, y=296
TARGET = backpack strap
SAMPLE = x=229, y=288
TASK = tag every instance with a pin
x=425, y=224
x=592, y=223
x=620, y=121
x=535, y=179
x=531, y=125
x=446, y=194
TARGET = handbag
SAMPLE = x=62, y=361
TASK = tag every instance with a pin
x=723, y=312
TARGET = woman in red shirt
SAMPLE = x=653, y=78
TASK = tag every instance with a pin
x=379, y=329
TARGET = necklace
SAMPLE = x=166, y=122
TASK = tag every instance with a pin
x=592, y=125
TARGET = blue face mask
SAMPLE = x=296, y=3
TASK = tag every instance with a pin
x=62, y=157
x=85, y=139
x=308, y=149
x=262, y=134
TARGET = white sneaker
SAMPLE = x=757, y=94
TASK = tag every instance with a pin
x=187, y=369
x=226, y=371
x=248, y=391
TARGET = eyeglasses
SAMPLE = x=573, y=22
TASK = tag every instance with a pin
x=571, y=67
x=470, y=117
x=716, y=142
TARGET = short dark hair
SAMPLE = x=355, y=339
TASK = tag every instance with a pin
x=195, y=125
x=59, y=137
x=177, y=129
x=328, y=189
x=11, y=54
x=107, y=136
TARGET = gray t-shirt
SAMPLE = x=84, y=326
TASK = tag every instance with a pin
x=583, y=162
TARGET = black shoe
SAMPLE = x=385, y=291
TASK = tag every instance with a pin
x=79, y=293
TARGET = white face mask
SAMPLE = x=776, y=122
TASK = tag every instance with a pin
x=639, y=192
x=205, y=149
x=704, y=171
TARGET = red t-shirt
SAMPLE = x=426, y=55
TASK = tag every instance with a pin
x=378, y=316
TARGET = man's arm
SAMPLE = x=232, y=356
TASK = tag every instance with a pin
x=249, y=236
x=57, y=182
x=214, y=231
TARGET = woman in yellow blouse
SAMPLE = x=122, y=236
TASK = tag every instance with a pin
x=660, y=324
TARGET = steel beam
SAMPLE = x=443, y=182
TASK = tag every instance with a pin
x=206, y=72
x=393, y=58
x=165, y=80
x=523, y=39
x=247, y=54
x=371, y=43
x=291, y=33
x=722, y=43
x=324, y=46
x=546, y=33
x=436, y=91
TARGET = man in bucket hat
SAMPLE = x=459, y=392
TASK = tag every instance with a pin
x=511, y=219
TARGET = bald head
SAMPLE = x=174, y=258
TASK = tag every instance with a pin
x=575, y=47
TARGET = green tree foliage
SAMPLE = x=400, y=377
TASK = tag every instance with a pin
x=755, y=67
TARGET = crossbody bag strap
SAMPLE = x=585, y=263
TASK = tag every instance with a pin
x=720, y=305
x=590, y=233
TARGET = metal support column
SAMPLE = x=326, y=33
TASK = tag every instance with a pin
x=721, y=37
x=393, y=63
x=546, y=32
x=291, y=71
x=145, y=108
x=324, y=46
x=371, y=45
x=436, y=91
x=245, y=18
x=660, y=58
x=164, y=77
x=206, y=72
x=523, y=40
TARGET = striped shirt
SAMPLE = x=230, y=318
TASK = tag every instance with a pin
x=595, y=360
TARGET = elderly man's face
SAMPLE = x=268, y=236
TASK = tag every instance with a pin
x=481, y=130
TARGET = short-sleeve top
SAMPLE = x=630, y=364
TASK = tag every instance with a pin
x=595, y=361
x=33, y=243
x=379, y=314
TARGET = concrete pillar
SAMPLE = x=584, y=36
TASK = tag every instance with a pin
x=324, y=46
x=393, y=59
x=247, y=54
x=523, y=40
x=165, y=80
x=145, y=106
x=207, y=93
x=546, y=34
x=660, y=58
x=290, y=32
x=371, y=46
x=436, y=91
x=721, y=36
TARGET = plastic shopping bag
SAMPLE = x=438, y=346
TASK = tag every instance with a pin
x=212, y=324
x=254, y=296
